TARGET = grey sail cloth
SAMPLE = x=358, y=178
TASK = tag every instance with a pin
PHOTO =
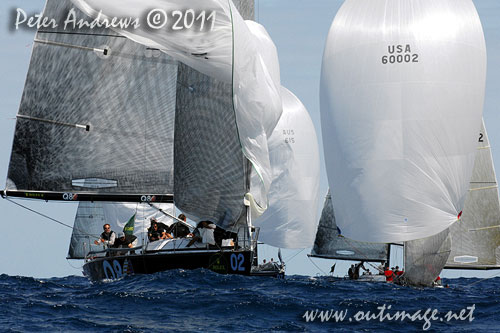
x=138, y=104
x=330, y=244
x=87, y=228
x=476, y=235
x=210, y=167
x=425, y=258
x=121, y=95
x=246, y=8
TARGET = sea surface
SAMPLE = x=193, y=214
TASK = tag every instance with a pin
x=200, y=300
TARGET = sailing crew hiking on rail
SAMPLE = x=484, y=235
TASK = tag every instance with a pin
x=354, y=270
x=208, y=233
x=180, y=228
x=108, y=236
x=125, y=241
x=158, y=230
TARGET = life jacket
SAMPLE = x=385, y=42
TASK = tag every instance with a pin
x=389, y=275
x=128, y=239
x=107, y=236
x=179, y=229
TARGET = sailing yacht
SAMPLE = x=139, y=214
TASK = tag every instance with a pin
x=473, y=242
x=110, y=118
x=402, y=92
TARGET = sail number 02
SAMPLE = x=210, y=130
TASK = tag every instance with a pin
x=237, y=262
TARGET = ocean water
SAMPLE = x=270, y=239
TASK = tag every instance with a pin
x=200, y=300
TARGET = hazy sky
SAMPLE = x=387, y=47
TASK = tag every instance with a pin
x=35, y=246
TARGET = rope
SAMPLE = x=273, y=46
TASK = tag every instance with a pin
x=74, y=267
x=322, y=271
x=485, y=279
x=294, y=255
x=50, y=218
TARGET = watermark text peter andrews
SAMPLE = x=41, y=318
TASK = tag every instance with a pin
x=154, y=19
x=427, y=316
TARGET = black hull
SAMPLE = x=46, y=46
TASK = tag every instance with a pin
x=225, y=262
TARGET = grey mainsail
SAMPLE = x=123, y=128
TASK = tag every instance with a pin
x=103, y=115
x=476, y=235
x=209, y=183
x=330, y=244
x=425, y=258
x=117, y=90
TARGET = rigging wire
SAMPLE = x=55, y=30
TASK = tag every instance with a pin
x=74, y=267
x=485, y=279
x=287, y=260
x=322, y=271
x=50, y=218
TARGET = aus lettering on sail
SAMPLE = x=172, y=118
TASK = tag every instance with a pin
x=398, y=54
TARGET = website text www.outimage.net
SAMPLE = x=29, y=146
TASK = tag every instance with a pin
x=385, y=313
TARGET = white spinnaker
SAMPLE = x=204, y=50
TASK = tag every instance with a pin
x=234, y=51
x=291, y=219
x=402, y=89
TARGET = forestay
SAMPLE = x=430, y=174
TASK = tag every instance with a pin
x=402, y=89
x=476, y=236
x=330, y=244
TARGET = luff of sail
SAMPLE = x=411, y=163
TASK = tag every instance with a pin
x=476, y=236
x=331, y=245
x=402, y=89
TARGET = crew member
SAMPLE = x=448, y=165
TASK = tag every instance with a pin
x=108, y=236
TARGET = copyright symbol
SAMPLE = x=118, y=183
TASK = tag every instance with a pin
x=157, y=19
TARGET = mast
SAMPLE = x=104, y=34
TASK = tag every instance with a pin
x=389, y=255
